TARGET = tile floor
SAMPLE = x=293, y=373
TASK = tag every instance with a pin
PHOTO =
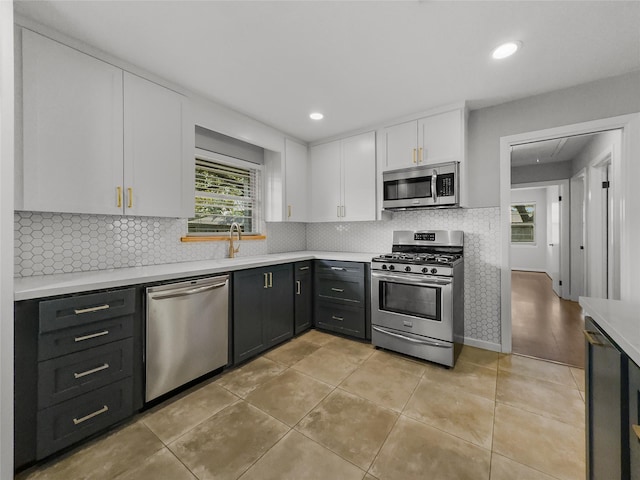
x=321, y=406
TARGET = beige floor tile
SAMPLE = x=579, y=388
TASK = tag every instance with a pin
x=103, y=458
x=531, y=367
x=247, y=378
x=162, y=465
x=552, y=400
x=317, y=337
x=328, y=366
x=351, y=426
x=407, y=364
x=178, y=417
x=467, y=377
x=479, y=356
x=464, y=415
x=227, y=444
x=359, y=350
x=414, y=450
x=578, y=376
x=384, y=385
x=544, y=444
x=289, y=396
x=292, y=352
x=503, y=468
x=296, y=457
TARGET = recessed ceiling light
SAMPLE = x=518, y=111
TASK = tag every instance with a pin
x=506, y=50
x=316, y=116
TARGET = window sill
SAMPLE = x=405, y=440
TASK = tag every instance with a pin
x=221, y=238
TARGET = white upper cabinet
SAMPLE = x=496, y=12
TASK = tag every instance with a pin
x=325, y=182
x=99, y=140
x=296, y=181
x=343, y=179
x=159, y=165
x=433, y=139
x=72, y=130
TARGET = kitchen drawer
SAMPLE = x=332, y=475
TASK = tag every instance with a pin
x=339, y=268
x=83, y=309
x=63, y=378
x=346, y=319
x=68, y=422
x=69, y=340
x=348, y=289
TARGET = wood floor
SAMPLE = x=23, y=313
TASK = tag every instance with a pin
x=544, y=325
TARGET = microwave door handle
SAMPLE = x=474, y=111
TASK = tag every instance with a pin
x=434, y=185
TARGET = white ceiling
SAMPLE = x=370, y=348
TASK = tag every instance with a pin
x=359, y=62
x=549, y=151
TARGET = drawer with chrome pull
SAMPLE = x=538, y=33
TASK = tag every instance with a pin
x=65, y=377
x=339, y=269
x=345, y=319
x=348, y=289
x=83, y=309
x=68, y=422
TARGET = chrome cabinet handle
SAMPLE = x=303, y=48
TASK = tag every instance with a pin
x=337, y=318
x=591, y=338
x=270, y=279
x=77, y=421
x=266, y=280
x=303, y=268
x=183, y=293
x=340, y=290
x=297, y=287
x=339, y=269
x=91, y=335
x=89, y=372
x=91, y=309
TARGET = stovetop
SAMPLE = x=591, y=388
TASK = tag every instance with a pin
x=419, y=258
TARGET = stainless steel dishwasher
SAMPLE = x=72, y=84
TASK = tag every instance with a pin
x=187, y=332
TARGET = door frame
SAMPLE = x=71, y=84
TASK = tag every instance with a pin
x=629, y=260
x=578, y=209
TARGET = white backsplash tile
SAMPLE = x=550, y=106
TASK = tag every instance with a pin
x=49, y=243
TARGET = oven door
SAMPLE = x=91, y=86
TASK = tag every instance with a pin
x=410, y=303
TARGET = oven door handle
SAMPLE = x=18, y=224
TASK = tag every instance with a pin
x=430, y=343
x=408, y=280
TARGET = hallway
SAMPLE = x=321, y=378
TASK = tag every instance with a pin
x=544, y=325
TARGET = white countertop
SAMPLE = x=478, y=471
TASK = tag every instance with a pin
x=50, y=285
x=620, y=320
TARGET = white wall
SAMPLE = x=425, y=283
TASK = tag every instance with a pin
x=591, y=101
x=600, y=143
x=6, y=239
x=532, y=257
x=542, y=172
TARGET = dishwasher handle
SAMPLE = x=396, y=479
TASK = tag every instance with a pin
x=191, y=291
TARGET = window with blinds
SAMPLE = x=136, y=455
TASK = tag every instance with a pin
x=523, y=223
x=226, y=193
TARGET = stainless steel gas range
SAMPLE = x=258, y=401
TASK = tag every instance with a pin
x=417, y=295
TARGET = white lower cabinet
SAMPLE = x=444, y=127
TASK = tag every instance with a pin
x=343, y=179
x=98, y=140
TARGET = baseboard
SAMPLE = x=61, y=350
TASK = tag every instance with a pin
x=519, y=269
x=472, y=342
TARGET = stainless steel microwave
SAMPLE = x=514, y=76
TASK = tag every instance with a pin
x=421, y=187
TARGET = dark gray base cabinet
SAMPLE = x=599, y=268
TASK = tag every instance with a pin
x=342, y=298
x=303, y=277
x=78, y=369
x=634, y=421
x=263, y=309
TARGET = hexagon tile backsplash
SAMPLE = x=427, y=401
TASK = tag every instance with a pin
x=48, y=243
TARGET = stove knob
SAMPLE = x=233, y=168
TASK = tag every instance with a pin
x=434, y=271
x=407, y=269
x=391, y=267
x=384, y=267
x=425, y=270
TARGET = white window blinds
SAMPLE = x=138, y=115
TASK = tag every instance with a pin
x=226, y=193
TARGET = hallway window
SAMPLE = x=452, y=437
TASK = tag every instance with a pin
x=523, y=223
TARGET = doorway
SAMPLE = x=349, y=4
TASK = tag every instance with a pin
x=578, y=238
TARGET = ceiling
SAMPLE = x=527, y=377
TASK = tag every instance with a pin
x=549, y=151
x=361, y=63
